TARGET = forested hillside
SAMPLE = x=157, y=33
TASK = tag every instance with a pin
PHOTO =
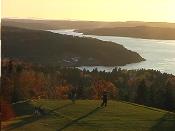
x=68, y=24
x=44, y=47
x=145, y=32
x=22, y=81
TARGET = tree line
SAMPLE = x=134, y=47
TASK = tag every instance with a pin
x=21, y=80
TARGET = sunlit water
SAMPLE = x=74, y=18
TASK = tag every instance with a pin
x=159, y=54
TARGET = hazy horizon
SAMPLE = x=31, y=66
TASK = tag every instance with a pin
x=30, y=18
x=91, y=10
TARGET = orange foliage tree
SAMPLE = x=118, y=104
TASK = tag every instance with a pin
x=6, y=110
x=100, y=85
x=63, y=91
x=31, y=83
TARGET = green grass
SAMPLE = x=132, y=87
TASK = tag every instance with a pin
x=86, y=116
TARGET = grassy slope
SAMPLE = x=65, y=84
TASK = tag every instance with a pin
x=85, y=116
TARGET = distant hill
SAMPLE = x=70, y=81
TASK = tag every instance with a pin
x=67, y=24
x=136, y=32
x=44, y=47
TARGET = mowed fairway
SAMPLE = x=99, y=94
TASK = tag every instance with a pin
x=85, y=115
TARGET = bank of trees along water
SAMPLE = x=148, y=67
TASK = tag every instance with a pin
x=44, y=47
x=22, y=81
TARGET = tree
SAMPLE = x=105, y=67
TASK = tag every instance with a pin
x=141, y=92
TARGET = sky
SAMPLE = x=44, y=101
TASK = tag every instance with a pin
x=92, y=10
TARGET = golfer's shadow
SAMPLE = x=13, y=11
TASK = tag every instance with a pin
x=59, y=108
x=81, y=117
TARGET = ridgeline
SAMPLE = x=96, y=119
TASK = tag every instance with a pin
x=44, y=47
x=144, y=32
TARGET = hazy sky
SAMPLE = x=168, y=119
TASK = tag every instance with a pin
x=96, y=10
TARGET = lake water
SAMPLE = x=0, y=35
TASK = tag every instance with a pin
x=159, y=54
